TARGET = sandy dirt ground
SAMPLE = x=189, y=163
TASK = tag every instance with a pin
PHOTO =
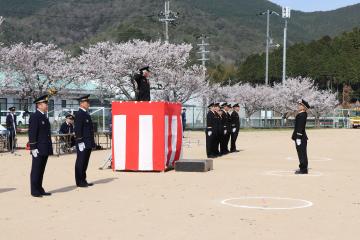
x=175, y=205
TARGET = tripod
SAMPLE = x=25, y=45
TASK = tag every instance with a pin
x=107, y=162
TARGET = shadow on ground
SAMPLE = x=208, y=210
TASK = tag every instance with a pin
x=4, y=190
x=73, y=187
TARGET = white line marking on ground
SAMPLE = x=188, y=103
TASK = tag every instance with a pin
x=305, y=203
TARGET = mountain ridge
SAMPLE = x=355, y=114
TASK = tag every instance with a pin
x=233, y=26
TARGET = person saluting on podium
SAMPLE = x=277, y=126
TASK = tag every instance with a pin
x=142, y=84
x=85, y=142
x=300, y=137
x=40, y=145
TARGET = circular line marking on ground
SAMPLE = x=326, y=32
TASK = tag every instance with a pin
x=304, y=203
x=312, y=159
x=292, y=174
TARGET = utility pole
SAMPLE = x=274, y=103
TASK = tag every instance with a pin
x=203, y=52
x=286, y=12
x=267, y=47
x=167, y=17
x=269, y=43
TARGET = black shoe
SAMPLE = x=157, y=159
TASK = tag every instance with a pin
x=301, y=172
x=46, y=194
x=90, y=184
x=235, y=151
x=37, y=195
x=211, y=156
x=83, y=185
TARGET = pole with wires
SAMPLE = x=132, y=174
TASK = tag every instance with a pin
x=167, y=17
x=269, y=43
x=203, y=52
x=286, y=12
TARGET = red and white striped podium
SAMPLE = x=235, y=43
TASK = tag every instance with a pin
x=147, y=136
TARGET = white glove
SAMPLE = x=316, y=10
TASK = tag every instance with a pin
x=298, y=142
x=209, y=133
x=35, y=153
x=225, y=131
x=234, y=130
x=81, y=146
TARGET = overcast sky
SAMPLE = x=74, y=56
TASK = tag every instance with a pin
x=315, y=5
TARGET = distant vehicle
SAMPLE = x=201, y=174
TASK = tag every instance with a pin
x=354, y=118
x=22, y=117
x=3, y=131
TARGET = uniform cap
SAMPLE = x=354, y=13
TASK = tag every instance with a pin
x=304, y=103
x=42, y=99
x=147, y=68
x=84, y=98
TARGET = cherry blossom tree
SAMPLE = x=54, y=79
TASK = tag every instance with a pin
x=181, y=84
x=36, y=68
x=252, y=98
x=113, y=65
x=285, y=96
x=323, y=103
x=281, y=98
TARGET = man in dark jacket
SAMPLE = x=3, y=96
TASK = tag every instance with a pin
x=11, y=127
x=235, y=126
x=142, y=84
x=225, y=129
x=226, y=122
x=40, y=145
x=300, y=137
x=68, y=128
x=84, y=135
x=211, y=131
x=183, y=118
x=218, y=128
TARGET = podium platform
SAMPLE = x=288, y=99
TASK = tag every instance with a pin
x=147, y=136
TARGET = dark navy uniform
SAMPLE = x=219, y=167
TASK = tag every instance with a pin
x=68, y=128
x=211, y=133
x=11, y=125
x=300, y=137
x=143, y=86
x=224, y=133
x=219, y=131
x=84, y=134
x=228, y=134
x=183, y=119
x=40, y=140
x=235, y=128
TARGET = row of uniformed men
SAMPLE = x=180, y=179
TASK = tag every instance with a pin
x=222, y=125
x=41, y=144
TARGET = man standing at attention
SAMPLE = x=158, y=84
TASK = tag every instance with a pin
x=235, y=127
x=11, y=127
x=85, y=142
x=40, y=145
x=300, y=137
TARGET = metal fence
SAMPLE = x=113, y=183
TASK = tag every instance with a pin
x=195, y=118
